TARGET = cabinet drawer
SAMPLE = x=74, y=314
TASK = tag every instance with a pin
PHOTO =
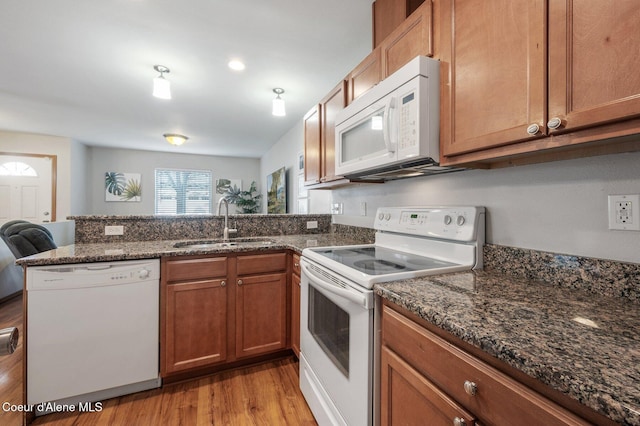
x=449, y=368
x=262, y=263
x=190, y=269
x=295, y=267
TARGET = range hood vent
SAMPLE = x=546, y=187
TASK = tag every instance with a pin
x=419, y=167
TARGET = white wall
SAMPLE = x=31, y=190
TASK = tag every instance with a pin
x=558, y=207
x=103, y=160
x=78, y=190
x=29, y=143
x=285, y=153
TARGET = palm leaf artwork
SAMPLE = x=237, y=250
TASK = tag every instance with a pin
x=114, y=182
x=132, y=191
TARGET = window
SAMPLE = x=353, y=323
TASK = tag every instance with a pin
x=17, y=168
x=183, y=191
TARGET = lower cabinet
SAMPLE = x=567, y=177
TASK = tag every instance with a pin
x=219, y=309
x=424, y=376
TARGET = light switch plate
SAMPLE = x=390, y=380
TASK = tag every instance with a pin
x=624, y=212
x=114, y=230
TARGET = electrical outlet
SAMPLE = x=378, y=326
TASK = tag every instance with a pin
x=114, y=230
x=624, y=212
x=312, y=224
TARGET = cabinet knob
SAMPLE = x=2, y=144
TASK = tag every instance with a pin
x=554, y=123
x=297, y=265
x=240, y=282
x=533, y=129
x=470, y=388
x=223, y=283
x=458, y=421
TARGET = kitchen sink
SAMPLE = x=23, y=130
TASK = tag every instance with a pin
x=234, y=242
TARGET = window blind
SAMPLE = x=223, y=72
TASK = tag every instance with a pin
x=181, y=192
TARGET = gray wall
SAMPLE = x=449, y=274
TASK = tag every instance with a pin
x=558, y=207
x=103, y=160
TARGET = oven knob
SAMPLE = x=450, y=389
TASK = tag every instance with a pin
x=447, y=220
x=387, y=216
x=380, y=216
x=460, y=220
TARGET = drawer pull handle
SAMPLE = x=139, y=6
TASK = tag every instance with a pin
x=459, y=422
x=223, y=283
x=470, y=388
x=240, y=282
x=533, y=129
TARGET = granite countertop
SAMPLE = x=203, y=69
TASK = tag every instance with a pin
x=106, y=252
x=543, y=330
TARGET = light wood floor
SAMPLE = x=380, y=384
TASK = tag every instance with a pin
x=265, y=394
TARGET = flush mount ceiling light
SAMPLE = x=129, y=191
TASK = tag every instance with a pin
x=236, y=65
x=175, y=139
x=161, y=86
x=278, y=103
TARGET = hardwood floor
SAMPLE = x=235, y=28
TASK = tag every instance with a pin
x=265, y=394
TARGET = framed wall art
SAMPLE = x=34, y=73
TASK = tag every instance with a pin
x=119, y=186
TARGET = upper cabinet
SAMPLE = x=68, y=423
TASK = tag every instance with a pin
x=388, y=15
x=364, y=76
x=514, y=82
x=412, y=38
x=312, y=147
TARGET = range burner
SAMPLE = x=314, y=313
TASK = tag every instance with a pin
x=377, y=266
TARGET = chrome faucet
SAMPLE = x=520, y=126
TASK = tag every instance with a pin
x=225, y=232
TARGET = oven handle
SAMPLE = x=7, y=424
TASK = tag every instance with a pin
x=352, y=296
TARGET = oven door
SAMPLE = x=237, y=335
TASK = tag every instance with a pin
x=336, y=345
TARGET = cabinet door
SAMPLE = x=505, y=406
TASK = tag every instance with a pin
x=387, y=16
x=331, y=105
x=312, y=146
x=412, y=38
x=195, y=325
x=295, y=314
x=493, y=78
x=593, y=62
x=408, y=398
x=261, y=314
x=364, y=76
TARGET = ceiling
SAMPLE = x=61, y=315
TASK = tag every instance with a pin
x=84, y=69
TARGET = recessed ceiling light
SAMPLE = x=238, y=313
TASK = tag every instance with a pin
x=236, y=65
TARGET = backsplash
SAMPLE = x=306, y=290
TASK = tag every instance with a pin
x=600, y=276
x=90, y=229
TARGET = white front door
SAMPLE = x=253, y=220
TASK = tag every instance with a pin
x=26, y=188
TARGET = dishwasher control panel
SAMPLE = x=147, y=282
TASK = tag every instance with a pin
x=80, y=275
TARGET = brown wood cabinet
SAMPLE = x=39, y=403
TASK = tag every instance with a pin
x=412, y=38
x=219, y=309
x=364, y=76
x=388, y=15
x=295, y=304
x=433, y=377
x=511, y=77
x=319, y=143
x=194, y=305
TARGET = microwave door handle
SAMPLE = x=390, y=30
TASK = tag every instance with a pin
x=352, y=296
x=386, y=134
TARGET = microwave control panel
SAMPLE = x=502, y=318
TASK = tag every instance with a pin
x=408, y=122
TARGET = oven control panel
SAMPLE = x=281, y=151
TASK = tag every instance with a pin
x=459, y=223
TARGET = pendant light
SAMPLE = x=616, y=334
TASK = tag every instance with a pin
x=278, y=103
x=175, y=139
x=161, y=86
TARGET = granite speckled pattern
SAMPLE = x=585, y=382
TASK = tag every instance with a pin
x=90, y=229
x=106, y=252
x=606, y=277
x=533, y=326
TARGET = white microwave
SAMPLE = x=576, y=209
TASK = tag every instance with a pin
x=392, y=130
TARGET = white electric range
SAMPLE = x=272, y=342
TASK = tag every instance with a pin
x=337, y=327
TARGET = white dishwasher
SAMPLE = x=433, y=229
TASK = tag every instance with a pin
x=92, y=331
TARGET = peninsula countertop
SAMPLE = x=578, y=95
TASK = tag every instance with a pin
x=108, y=252
x=584, y=345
